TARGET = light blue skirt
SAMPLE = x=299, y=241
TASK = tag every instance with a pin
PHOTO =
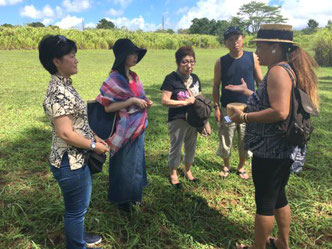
x=127, y=173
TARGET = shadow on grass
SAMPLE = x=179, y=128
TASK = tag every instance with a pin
x=326, y=78
x=32, y=206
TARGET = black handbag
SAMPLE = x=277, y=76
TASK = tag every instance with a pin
x=103, y=125
x=95, y=161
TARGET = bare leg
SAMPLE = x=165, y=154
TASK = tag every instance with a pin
x=283, y=216
x=263, y=228
x=187, y=171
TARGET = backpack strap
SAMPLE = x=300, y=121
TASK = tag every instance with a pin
x=290, y=71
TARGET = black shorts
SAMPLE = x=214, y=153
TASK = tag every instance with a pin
x=270, y=178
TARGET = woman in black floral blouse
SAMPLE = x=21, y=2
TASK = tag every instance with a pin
x=70, y=133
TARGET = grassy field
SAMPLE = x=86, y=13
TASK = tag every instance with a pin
x=217, y=213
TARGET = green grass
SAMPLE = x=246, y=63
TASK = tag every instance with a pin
x=215, y=214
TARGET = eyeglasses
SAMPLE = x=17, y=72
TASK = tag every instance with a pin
x=61, y=39
x=185, y=62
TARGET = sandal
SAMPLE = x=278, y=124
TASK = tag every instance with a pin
x=272, y=244
x=225, y=171
x=242, y=247
x=175, y=185
x=242, y=174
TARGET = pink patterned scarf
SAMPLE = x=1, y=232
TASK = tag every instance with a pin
x=132, y=120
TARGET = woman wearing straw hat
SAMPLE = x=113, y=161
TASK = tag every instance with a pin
x=123, y=92
x=272, y=158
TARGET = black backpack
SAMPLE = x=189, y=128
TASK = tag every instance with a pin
x=298, y=125
x=199, y=112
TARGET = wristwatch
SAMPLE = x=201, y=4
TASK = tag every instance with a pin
x=92, y=145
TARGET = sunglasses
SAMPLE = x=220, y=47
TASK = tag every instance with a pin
x=61, y=39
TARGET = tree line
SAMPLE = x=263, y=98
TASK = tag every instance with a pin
x=249, y=18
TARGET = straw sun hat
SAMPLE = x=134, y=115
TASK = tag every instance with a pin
x=275, y=33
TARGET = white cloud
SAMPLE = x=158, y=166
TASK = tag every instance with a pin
x=48, y=11
x=114, y=12
x=90, y=25
x=9, y=2
x=299, y=12
x=134, y=24
x=59, y=11
x=212, y=9
x=76, y=5
x=70, y=22
x=123, y=3
x=47, y=21
x=32, y=12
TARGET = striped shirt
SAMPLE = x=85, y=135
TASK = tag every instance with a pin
x=266, y=139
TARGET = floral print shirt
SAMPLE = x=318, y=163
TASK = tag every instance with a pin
x=63, y=100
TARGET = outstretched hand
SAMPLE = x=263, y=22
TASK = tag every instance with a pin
x=238, y=88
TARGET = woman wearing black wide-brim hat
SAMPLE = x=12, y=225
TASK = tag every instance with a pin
x=267, y=108
x=123, y=92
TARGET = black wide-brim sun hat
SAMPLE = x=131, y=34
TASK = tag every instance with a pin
x=124, y=47
x=275, y=33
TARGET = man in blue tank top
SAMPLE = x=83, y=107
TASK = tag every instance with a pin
x=232, y=68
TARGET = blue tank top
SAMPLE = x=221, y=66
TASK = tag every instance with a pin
x=232, y=70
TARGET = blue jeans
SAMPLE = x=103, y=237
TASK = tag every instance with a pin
x=127, y=173
x=76, y=187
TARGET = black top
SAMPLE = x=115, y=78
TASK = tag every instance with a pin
x=173, y=83
x=232, y=70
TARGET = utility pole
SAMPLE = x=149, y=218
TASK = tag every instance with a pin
x=163, y=23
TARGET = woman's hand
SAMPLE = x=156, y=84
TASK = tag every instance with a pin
x=99, y=140
x=190, y=100
x=149, y=102
x=141, y=103
x=236, y=117
x=218, y=115
x=240, y=88
x=101, y=147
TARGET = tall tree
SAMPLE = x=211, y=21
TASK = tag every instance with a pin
x=255, y=13
x=312, y=25
x=105, y=24
x=7, y=25
x=200, y=26
x=36, y=24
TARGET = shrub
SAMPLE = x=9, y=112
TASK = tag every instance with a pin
x=322, y=47
x=28, y=38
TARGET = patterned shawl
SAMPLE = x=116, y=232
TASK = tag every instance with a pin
x=132, y=120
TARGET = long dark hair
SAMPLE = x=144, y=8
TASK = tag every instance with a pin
x=303, y=65
x=121, y=69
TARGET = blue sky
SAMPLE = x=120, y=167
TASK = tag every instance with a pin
x=147, y=14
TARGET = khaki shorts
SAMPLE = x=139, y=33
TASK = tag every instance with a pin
x=226, y=135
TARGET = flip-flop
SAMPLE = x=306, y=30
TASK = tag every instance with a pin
x=242, y=247
x=241, y=173
x=272, y=244
x=227, y=171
